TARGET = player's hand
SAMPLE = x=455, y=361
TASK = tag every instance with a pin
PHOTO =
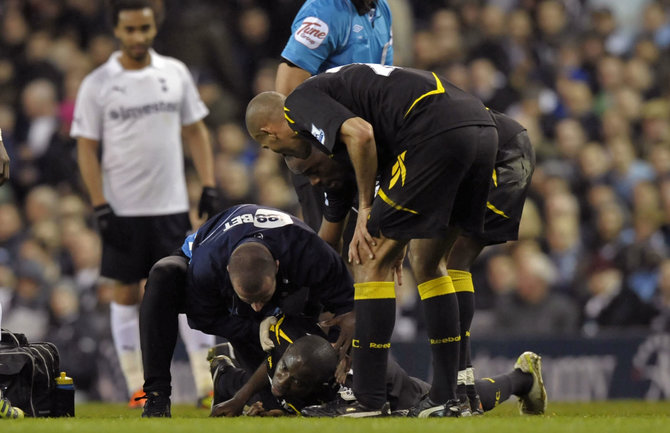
x=347, y=323
x=4, y=162
x=209, y=202
x=264, y=333
x=228, y=408
x=257, y=409
x=111, y=228
x=342, y=369
x=273, y=413
x=361, y=242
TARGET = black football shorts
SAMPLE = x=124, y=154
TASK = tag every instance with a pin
x=436, y=183
x=149, y=239
x=513, y=171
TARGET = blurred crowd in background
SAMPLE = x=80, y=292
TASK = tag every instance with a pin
x=589, y=79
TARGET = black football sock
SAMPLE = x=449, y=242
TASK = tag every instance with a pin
x=374, y=303
x=495, y=390
x=441, y=310
x=465, y=293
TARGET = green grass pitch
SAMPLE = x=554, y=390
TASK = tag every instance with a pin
x=609, y=417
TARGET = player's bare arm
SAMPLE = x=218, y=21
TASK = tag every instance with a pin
x=289, y=77
x=358, y=136
x=235, y=405
x=197, y=139
x=331, y=232
x=89, y=166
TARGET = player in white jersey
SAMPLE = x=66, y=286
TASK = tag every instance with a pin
x=134, y=109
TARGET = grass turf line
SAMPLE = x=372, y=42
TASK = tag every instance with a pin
x=610, y=417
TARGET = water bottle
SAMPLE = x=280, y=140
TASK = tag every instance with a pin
x=64, y=396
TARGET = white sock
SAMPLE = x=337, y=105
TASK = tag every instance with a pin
x=461, y=377
x=197, y=344
x=125, y=321
x=469, y=376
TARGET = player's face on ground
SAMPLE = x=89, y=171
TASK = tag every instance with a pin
x=292, y=378
x=259, y=299
x=136, y=31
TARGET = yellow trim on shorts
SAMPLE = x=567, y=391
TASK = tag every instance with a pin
x=439, y=89
x=494, y=176
x=374, y=290
x=399, y=171
x=462, y=280
x=393, y=204
x=436, y=287
x=496, y=210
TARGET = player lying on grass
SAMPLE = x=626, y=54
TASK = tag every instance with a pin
x=299, y=378
x=242, y=265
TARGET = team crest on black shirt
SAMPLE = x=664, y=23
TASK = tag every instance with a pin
x=318, y=134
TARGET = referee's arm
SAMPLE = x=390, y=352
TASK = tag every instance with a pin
x=89, y=166
x=289, y=77
x=197, y=139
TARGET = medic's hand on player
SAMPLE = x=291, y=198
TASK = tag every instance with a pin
x=347, y=323
x=342, y=369
x=361, y=242
x=264, y=333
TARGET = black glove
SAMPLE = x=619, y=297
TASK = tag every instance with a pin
x=209, y=202
x=111, y=227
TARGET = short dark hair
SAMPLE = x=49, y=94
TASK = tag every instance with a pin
x=318, y=354
x=116, y=6
x=250, y=264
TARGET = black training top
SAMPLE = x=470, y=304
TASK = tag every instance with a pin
x=508, y=128
x=404, y=106
x=306, y=264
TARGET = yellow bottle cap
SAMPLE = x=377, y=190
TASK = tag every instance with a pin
x=63, y=379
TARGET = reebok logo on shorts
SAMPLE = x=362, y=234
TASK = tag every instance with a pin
x=398, y=171
x=311, y=33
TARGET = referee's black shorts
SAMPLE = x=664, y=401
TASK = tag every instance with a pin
x=513, y=171
x=436, y=183
x=149, y=238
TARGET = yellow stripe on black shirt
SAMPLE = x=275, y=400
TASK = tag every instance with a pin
x=439, y=89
